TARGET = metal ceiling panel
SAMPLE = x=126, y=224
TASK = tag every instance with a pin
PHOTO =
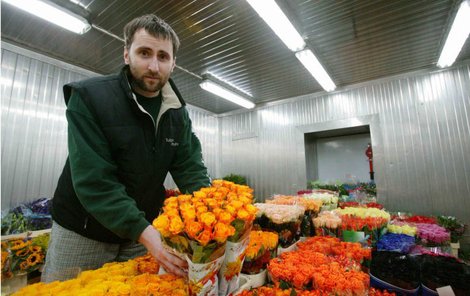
x=356, y=41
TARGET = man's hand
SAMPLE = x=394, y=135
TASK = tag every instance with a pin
x=151, y=239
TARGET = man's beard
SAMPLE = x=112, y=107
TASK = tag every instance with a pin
x=140, y=83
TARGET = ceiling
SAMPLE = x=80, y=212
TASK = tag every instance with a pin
x=356, y=41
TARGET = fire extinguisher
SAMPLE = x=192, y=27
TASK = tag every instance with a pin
x=371, y=164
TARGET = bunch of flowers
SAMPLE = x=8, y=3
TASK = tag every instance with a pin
x=312, y=207
x=329, y=199
x=420, y=219
x=369, y=221
x=270, y=291
x=396, y=242
x=332, y=246
x=327, y=223
x=348, y=204
x=452, y=225
x=261, y=248
x=123, y=278
x=306, y=269
x=21, y=256
x=401, y=228
x=432, y=235
x=147, y=264
x=197, y=227
x=283, y=219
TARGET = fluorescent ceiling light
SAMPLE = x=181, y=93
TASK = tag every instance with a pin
x=310, y=61
x=226, y=94
x=457, y=36
x=53, y=14
x=270, y=12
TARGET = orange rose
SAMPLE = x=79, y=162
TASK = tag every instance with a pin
x=176, y=225
x=242, y=214
x=208, y=219
x=222, y=231
x=200, y=194
x=201, y=209
x=204, y=237
x=225, y=217
x=188, y=214
x=231, y=210
x=193, y=228
x=184, y=198
x=236, y=204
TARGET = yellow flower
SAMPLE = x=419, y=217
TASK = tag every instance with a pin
x=171, y=200
x=236, y=204
x=176, y=225
x=251, y=209
x=208, y=219
x=242, y=214
x=184, y=198
x=200, y=194
x=231, y=210
x=162, y=223
x=225, y=217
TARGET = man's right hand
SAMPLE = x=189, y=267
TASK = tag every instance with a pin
x=151, y=239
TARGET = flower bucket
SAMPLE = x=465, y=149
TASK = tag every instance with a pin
x=379, y=284
x=250, y=281
x=353, y=236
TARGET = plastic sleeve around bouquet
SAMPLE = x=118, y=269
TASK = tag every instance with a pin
x=283, y=219
x=234, y=256
x=204, y=263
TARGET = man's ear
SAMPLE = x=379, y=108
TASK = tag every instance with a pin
x=174, y=64
x=126, y=56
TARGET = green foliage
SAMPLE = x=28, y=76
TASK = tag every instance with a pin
x=237, y=179
x=451, y=223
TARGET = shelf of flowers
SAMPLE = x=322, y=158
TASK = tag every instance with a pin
x=289, y=245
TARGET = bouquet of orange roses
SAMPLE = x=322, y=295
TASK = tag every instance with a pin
x=196, y=227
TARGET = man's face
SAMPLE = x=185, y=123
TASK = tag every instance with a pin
x=151, y=62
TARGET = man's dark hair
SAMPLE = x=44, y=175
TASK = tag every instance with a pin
x=154, y=26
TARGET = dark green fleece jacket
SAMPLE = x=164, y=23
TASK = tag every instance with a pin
x=111, y=187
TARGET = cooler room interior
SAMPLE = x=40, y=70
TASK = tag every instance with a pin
x=392, y=115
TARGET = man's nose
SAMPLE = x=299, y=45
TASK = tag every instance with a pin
x=153, y=65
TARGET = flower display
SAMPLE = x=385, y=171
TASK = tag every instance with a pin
x=332, y=246
x=365, y=212
x=327, y=223
x=370, y=222
x=283, y=219
x=396, y=242
x=116, y=278
x=420, y=219
x=329, y=199
x=261, y=248
x=456, y=228
x=270, y=291
x=432, y=234
x=22, y=255
x=210, y=227
x=312, y=207
x=312, y=270
x=401, y=228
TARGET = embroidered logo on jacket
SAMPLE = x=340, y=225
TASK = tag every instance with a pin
x=171, y=141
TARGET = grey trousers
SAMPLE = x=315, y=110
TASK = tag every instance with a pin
x=70, y=253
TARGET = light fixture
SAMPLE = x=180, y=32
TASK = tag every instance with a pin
x=226, y=94
x=311, y=63
x=54, y=14
x=270, y=12
x=457, y=35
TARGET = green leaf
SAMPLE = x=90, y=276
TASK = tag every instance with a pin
x=284, y=285
x=293, y=292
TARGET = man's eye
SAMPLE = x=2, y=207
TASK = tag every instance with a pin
x=144, y=53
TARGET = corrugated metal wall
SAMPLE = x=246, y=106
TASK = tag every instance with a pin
x=422, y=140
x=34, y=129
